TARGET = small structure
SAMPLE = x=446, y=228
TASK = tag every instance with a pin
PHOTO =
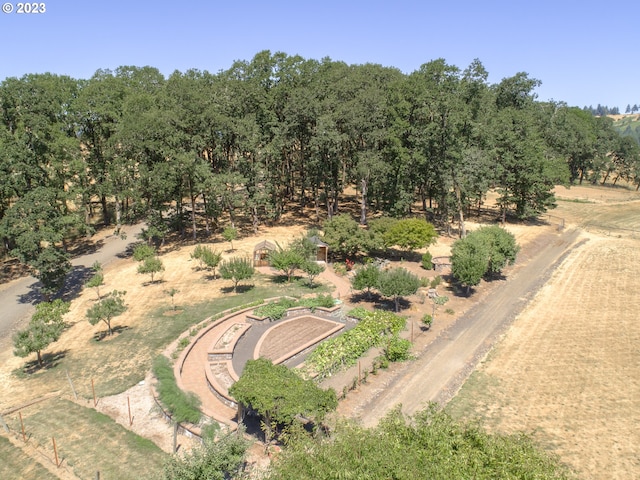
x=261, y=253
x=441, y=265
x=322, y=249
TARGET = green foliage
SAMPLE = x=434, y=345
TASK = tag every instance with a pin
x=436, y=281
x=345, y=350
x=411, y=234
x=280, y=396
x=345, y=237
x=150, y=266
x=213, y=460
x=396, y=283
x=236, y=269
x=502, y=247
x=107, y=308
x=230, y=234
x=312, y=269
x=45, y=327
x=397, y=349
x=183, y=407
x=430, y=445
x=366, y=277
x=469, y=260
x=143, y=251
x=207, y=258
x=483, y=252
x=427, y=320
x=286, y=260
x=275, y=310
x=426, y=261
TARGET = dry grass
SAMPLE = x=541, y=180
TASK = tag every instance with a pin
x=568, y=370
x=95, y=443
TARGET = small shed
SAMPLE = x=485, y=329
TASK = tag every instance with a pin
x=322, y=249
x=261, y=253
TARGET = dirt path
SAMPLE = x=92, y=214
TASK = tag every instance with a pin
x=444, y=365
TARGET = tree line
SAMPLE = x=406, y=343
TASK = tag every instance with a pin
x=278, y=133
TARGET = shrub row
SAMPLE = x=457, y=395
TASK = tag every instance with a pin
x=276, y=310
x=183, y=407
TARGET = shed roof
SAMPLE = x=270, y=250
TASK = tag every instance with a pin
x=264, y=245
x=316, y=241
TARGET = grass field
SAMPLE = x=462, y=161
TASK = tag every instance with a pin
x=16, y=464
x=87, y=442
x=568, y=370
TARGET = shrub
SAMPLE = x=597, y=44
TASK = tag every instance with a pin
x=426, y=261
x=397, y=349
x=436, y=281
x=182, y=406
x=427, y=320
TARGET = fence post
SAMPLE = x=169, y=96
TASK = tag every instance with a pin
x=24, y=436
x=93, y=389
x=129, y=407
x=55, y=451
x=75, y=395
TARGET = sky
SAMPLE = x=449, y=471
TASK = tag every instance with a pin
x=584, y=52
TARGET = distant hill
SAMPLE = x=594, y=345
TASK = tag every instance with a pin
x=627, y=125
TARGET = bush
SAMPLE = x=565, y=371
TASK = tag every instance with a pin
x=427, y=320
x=182, y=406
x=275, y=310
x=397, y=349
x=426, y=261
x=436, y=281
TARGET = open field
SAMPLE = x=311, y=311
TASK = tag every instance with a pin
x=568, y=369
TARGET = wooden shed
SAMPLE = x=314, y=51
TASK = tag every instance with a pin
x=261, y=253
x=322, y=249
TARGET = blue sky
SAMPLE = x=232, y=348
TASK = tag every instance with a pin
x=584, y=52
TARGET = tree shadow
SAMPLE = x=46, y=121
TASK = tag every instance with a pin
x=158, y=281
x=74, y=283
x=282, y=279
x=128, y=252
x=239, y=289
x=388, y=304
x=33, y=296
x=50, y=361
x=366, y=297
x=85, y=247
x=101, y=335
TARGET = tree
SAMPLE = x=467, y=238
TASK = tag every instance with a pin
x=230, y=234
x=502, y=248
x=236, y=269
x=366, y=277
x=411, y=234
x=312, y=269
x=212, y=460
x=469, y=260
x=172, y=293
x=107, y=308
x=45, y=327
x=143, y=251
x=209, y=259
x=396, y=283
x=151, y=266
x=286, y=260
x=97, y=280
x=344, y=236
x=280, y=396
x=431, y=444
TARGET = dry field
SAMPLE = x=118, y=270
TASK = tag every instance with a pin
x=568, y=370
